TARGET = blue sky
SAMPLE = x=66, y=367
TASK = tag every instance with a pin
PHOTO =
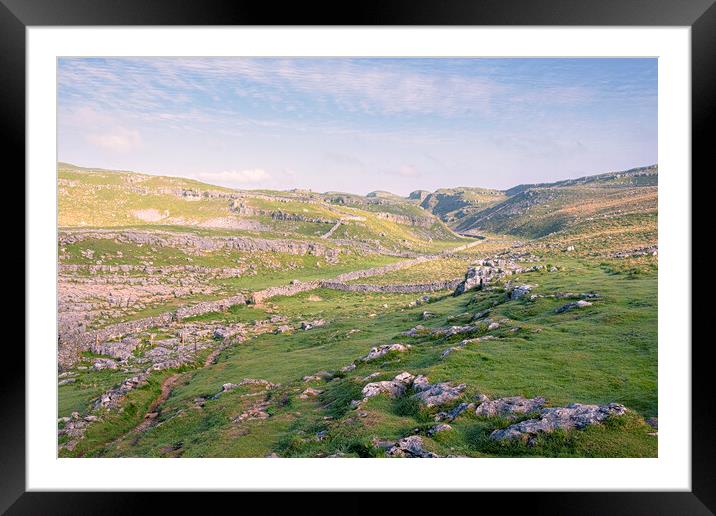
x=358, y=124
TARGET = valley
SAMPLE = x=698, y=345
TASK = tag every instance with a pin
x=201, y=321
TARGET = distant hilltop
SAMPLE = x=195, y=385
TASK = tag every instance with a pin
x=531, y=210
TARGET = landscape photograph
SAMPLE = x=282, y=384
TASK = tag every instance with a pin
x=348, y=257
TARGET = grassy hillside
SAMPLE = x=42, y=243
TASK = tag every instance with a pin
x=452, y=204
x=101, y=198
x=134, y=246
x=575, y=205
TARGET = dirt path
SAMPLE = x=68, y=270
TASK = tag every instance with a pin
x=166, y=389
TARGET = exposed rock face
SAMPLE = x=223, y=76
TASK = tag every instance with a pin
x=443, y=427
x=227, y=332
x=411, y=447
x=196, y=244
x=520, y=291
x=640, y=251
x=573, y=416
x=476, y=277
x=104, y=363
x=438, y=394
x=450, y=415
x=112, y=398
x=393, y=388
x=571, y=306
x=379, y=351
x=248, y=381
x=309, y=393
x=120, y=350
x=509, y=406
x=490, y=270
x=256, y=411
x=307, y=325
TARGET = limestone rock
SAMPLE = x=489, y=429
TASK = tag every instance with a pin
x=509, y=406
x=453, y=413
x=443, y=427
x=437, y=394
x=394, y=388
x=571, y=306
x=410, y=447
x=573, y=416
x=520, y=291
x=309, y=393
x=379, y=351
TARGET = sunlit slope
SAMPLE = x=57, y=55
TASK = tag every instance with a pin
x=453, y=204
x=102, y=198
x=617, y=202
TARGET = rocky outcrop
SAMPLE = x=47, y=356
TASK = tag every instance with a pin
x=411, y=447
x=393, y=388
x=519, y=292
x=438, y=394
x=380, y=351
x=113, y=397
x=194, y=244
x=574, y=416
x=509, y=406
x=453, y=413
x=484, y=272
x=571, y=306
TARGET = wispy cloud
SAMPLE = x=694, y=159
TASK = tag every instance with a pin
x=237, y=177
x=347, y=122
x=117, y=140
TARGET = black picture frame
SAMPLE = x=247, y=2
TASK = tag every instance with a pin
x=700, y=15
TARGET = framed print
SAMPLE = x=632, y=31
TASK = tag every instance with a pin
x=271, y=254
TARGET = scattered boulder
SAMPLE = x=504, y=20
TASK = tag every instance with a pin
x=320, y=375
x=450, y=350
x=427, y=315
x=519, y=292
x=573, y=416
x=571, y=306
x=453, y=413
x=411, y=447
x=416, y=331
x=307, y=325
x=443, y=427
x=481, y=314
x=309, y=393
x=509, y=406
x=379, y=351
x=348, y=368
x=248, y=381
x=257, y=411
x=437, y=394
x=394, y=388
x=104, y=363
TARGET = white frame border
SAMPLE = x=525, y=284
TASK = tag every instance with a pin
x=670, y=471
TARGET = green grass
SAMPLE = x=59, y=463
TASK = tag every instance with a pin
x=604, y=353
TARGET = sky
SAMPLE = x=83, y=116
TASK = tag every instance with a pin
x=359, y=124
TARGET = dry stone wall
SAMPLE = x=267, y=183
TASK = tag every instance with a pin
x=191, y=242
x=285, y=290
x=435, y=286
